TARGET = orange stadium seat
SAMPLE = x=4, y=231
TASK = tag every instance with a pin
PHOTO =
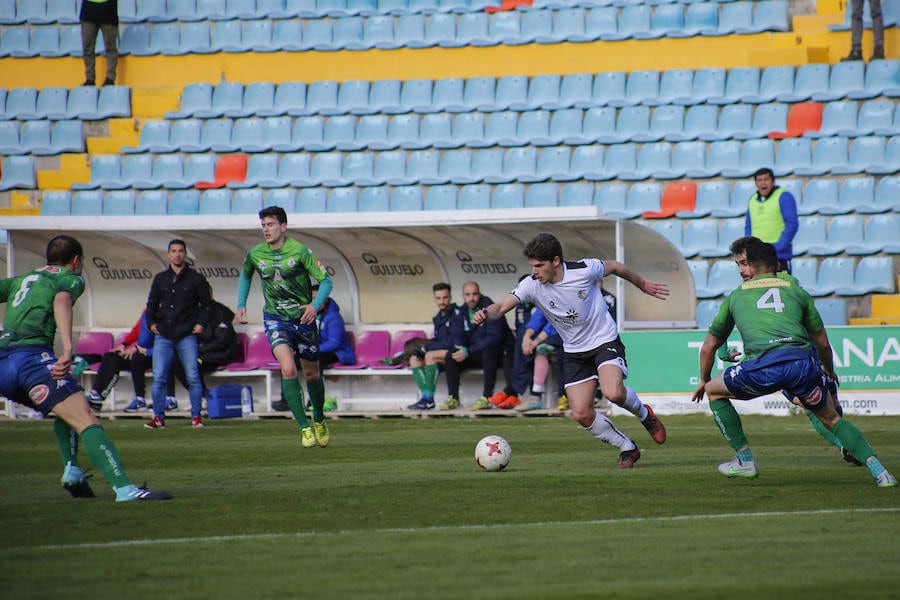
x=231, y=167
x=803, y=117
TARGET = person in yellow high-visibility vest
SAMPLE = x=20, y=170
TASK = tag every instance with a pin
x=772, y=217
x=99, y=16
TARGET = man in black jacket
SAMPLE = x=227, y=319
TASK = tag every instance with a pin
x=99, y=16
x=177, y=312
x=216, y=344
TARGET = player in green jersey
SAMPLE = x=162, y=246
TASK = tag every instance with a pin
x=285, y=267
x=39, y=303
x=786, y=348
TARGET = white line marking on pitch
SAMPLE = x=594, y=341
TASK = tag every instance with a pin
x=261, y=536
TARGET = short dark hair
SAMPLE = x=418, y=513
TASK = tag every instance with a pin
x=63, y=249
x=440, y=286
x=764, y=171
x=273, y=211
x=760, y=254
x=176, y=242
x=544, y=246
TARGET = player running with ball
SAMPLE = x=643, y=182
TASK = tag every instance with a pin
x=568, y=295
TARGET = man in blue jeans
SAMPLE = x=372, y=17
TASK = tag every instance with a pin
x=177, y=311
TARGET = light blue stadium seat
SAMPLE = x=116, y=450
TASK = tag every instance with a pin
x=508, y=195
x=45, y=41
x=326, y=169
x=304, y=9
x=176, y=10
x=838, y=118
x=8, y=13
x=855, y=195
x=113, y=101
x=845, y=78
x=66, y=136
x=410, y=31
x=456, y=167
x=262, y=171
x=34, y=12
x=882, y=79
x=118, y=203
x=710, y=195
x=536, y=26
x=574, y=91
x=390, y=167
x=375, y=199
x=820, y=196
x=828, y=153
x=873, y=274
x=720, y=155
x=611, y=198
x=587, y=163
x=277, y=134
x=699, y=235
x=533, y=128
x=358, y=169
x=15, y=42
x=259, y=100
x=479, y=93
x=741, y=83
x=512, y=93
x=700, y=18
x=811, y=232
x=34, y=137
x=197, y=167
x=81, y=100
x=403, y=131
x=642, y=87
x=408, y=197
x=735, y=16
x=285, y=198
x=775, y=81
x=519, y=164
x=576, y=194
x=51, y=104
x=288, y=36
x=238, y=9
x=723, y=278
x=753, y=153
x=791, y=154
x=318, y=34
x=314, y=200
x=384, y=96
x=308, y=133
x=197, y=97
x=569, y=25
x=200, y=38
x=257, y=37
x=874, y=116
x=440, y=29
x=738, y=199
x=504, y=28
x=707, y=83
x=105, y=169
x=416, y=96
x=621, y=162
x=372, y=133
x=348, y=34
x=716, y=246
x=290, y=99
x=440, y=197
x=597, y=121
x=473, y=29
x=133, y=39
x=631, y=122
x=216, y=135
x=294, y=170
x=56, y=204
x=227, y=100
x=866, y=156
x=666, y=19
x=685, y=155
x=167, y=172
x=353, y=98
x=805, y=270
x=184, y=136
x=887, y=197
x=735, y=122
x=642, y=197
x=669, y=229
x=340, y=133
x=833, y=311
x=9, y=139
x=87, y=203
x=487, y=163
x=700, y=272
x=609, y=89
x=565, y=127
x=809, y=80
x=137, y=172
x=769, y=15
x=881, y=234
x=70, y=41
x=474, y=197
x=21, y=104
x=834, y=272
x=215, y=202
x=707, y=309
x=249, y=135
x=634, y=20
x=843, y=231
x=422, y=167
x=891, y=162
x=542, y=195
x=544, y=92
x=553, y=163
x=665, y=121
x=601, y=22
x=699, y=120
x=500, y=129
x=655, y=160
x=247, y=202
x=436, y=130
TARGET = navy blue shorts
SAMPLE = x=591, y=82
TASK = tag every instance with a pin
x=25, y=378
x=303, y=339
x=582, y=366
x=801, y=377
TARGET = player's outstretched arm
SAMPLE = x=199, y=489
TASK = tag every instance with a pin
x=651, y=288
x=495, y=310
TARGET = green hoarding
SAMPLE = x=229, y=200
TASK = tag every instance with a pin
x=866, y=358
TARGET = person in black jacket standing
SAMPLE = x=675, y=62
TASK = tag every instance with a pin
x=99, y=16
x=177, y=312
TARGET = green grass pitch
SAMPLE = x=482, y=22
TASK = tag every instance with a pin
x=398, y=509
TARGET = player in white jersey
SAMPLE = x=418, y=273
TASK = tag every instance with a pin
x=568, y=295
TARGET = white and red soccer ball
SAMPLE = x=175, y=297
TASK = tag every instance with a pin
x=492, y=453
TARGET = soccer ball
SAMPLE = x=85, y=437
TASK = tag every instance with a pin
x=492, y=453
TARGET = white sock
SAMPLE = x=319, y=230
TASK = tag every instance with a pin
x=537, y=388
x=634, y=405
x=604, y=430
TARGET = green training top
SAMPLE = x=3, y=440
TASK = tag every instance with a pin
x=284, y=274
x=771, y=312
x=29, y=317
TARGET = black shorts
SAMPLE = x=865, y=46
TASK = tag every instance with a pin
x=582, y=366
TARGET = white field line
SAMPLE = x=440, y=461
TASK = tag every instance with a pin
x=487, y=527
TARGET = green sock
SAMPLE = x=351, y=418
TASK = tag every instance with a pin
x=420, y=379
x=822, y=430
x=67, y=441
x=293, y=393
x=316, y=391
x=431, y=375
x=853, y=440
x=105, y=456
x=729, y=423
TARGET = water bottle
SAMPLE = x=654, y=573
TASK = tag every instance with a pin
x=246, y=402
x=78, y=366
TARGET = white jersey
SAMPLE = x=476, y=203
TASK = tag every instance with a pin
x=575, y=305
